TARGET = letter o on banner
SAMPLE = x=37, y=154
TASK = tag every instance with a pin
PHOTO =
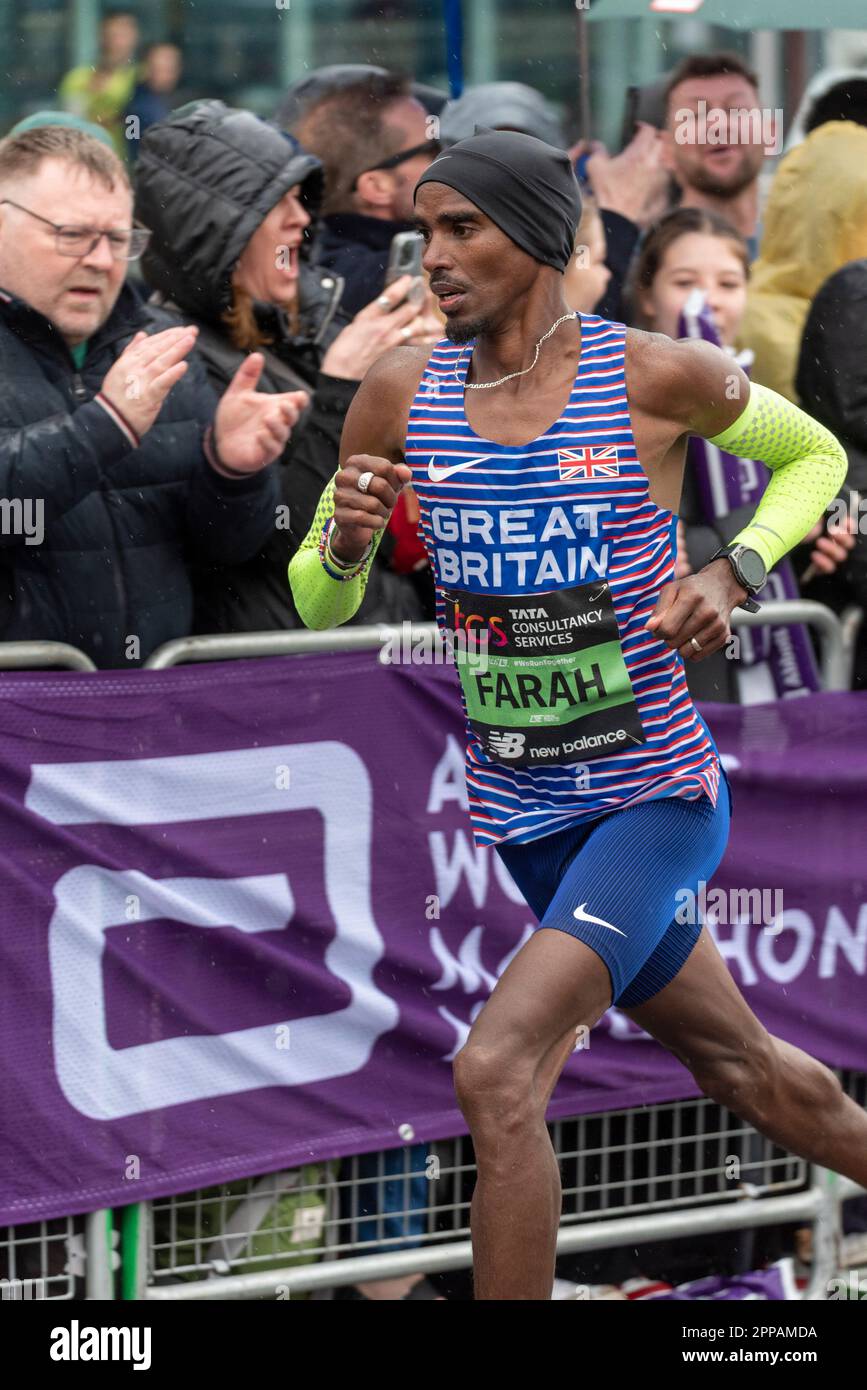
x=782, y=972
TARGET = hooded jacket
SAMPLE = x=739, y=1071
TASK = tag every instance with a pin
x=815, y=221
x=206, y=178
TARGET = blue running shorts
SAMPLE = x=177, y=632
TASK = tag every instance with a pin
x=616, y=883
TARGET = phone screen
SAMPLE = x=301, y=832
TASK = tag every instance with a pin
x=404, y=258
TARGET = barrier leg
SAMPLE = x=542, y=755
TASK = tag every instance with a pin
x=135, y=1224
x=826, y=1236
x=99, y=1275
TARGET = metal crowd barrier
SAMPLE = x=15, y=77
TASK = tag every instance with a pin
x=30, y=655
x=850, y=623
x=66, y=1258
x=629, y=1176
x=835, y=663
x=836, y=641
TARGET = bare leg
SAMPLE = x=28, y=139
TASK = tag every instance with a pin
x=788, y=1096
x=504, y=1077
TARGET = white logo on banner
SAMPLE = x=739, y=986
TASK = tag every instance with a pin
x=106, y=1083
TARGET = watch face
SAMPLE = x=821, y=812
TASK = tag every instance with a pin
x=752, y=567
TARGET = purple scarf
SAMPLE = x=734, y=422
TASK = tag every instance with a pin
x=777, y=660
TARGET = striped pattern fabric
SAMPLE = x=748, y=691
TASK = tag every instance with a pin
x=586, y=458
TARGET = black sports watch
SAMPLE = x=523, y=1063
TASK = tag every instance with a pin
x=749, y=568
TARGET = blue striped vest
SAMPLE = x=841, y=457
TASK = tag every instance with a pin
x=548, y=560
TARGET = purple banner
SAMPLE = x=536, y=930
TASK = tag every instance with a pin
x=245, y=924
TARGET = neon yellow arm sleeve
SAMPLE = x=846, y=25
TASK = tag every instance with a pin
x=807, y=466
x=322, y=601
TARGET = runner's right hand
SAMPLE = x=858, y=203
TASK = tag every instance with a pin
x=358, y=515
x=144, y=374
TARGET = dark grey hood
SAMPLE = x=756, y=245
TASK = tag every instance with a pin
x=206, y=177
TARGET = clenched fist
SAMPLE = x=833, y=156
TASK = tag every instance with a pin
x=693, y=615
x=358, y=515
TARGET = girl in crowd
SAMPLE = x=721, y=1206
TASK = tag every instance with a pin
x=692, y=250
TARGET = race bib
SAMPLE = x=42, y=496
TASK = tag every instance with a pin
x=543, y=675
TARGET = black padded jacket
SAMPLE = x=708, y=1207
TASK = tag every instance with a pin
x=112, y=527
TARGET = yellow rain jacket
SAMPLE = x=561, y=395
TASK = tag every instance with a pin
x=815, y=222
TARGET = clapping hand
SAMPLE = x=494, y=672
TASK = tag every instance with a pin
x=251, y=428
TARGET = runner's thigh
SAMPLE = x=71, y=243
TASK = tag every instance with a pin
x=621, y=891
x=555, y=983
x=701, y=1016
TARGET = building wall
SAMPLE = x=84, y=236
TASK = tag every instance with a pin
x=246, y=51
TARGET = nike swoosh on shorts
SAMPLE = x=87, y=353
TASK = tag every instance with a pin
x=583, y=916
x=439, y=475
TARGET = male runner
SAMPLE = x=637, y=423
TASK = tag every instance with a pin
x=546, y=450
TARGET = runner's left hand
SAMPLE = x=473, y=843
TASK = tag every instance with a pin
x=699, y=606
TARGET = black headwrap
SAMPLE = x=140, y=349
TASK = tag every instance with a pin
x=527, y=187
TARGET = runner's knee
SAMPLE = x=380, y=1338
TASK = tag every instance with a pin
x=491, y=1084
x=809, y=1081
x=742, y=1079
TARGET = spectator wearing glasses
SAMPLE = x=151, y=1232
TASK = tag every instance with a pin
x=374, y=139
x=117, y=458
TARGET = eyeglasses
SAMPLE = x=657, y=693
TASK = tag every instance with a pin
x=125, y=244
x=432, y=147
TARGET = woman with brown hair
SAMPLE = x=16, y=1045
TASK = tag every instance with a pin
x=230, y=201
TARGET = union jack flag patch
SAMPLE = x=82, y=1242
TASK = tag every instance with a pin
x=588, y=463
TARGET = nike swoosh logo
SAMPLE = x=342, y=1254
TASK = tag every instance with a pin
x=583, y=916
x=439, y=475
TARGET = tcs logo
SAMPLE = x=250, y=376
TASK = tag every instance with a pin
x=465, y=622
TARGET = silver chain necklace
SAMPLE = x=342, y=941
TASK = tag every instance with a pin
x=486, y=385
